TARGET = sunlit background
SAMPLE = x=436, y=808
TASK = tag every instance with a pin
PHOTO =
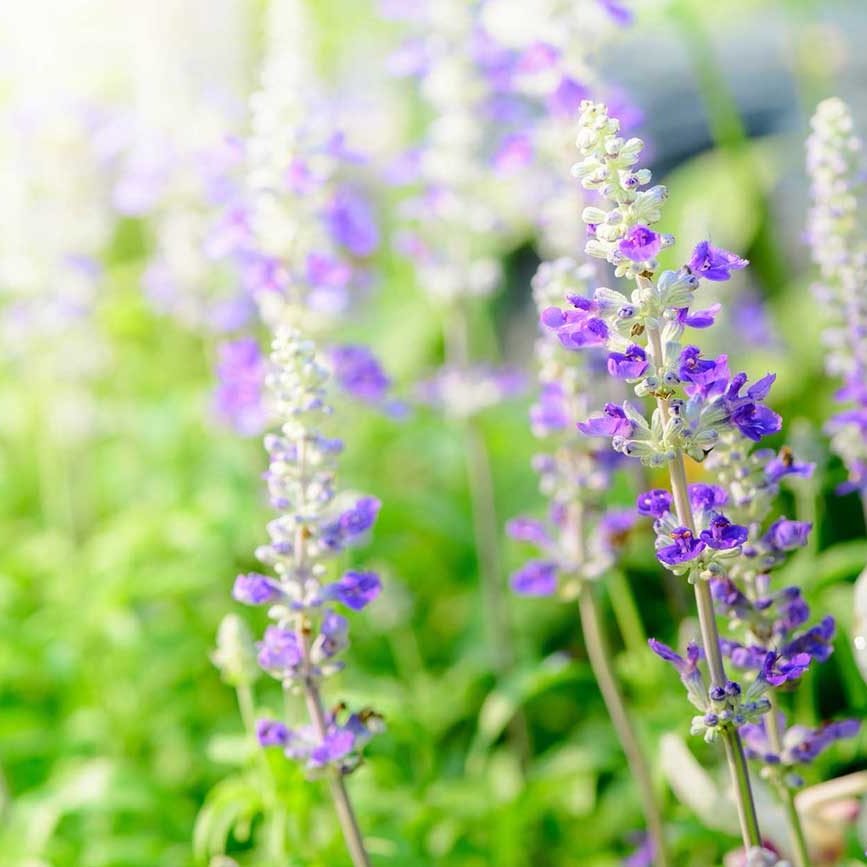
x=130, y=502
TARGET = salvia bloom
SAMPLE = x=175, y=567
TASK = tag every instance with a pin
x=314, y=524
x=836, y=232
x=715, y=534
x=698, y=403
x=292, y=223
x=309, y=227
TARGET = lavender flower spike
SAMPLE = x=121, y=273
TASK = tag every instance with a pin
x=697, y=403
x=837, y=234
x=303, y=644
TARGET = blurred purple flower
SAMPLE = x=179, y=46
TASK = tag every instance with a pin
x=239, y=396
x=536, y=578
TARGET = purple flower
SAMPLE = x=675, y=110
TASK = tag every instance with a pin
x=539, y=57
x=567, y=97
x=654, y=504
x=256, y=589
x=279, y=649
x=355, y=590
x=701, y=372
x=752, y=657
x=350, y=524
x=663, y=651
x=332, y=635
x=793, y=611
x=337, y=744
x=684, y=548
x=816, y=641
x=359, y=373
x=714, y=263
x=350, y=221
x=786, y=535
x=612, y=422
x=615, y=525
x=707, y=497
x=808, y=743
x=643, y=856
x=687, y=668
x=786, y=465
x=777, y=670
x=536, y=578
x=261, y=273
x=272, y=733
x=575, y=328
x=628, y=365
x=700, y=318
x=514, y=153
x=619, y=13
x=755, y=422
x=327, y=272
x=528, y=530
x=640, y=244
x=239, y=395
x=722, y=534
x=550, y=413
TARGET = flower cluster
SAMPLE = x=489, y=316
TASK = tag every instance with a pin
x=642, y=332
x=299, y=231
x=723, y=706
x=798, y=745
x=503, y=91
x=776, y=643
x=835, y=163
x=714, y=533
x=573, y=474
x=308, y=633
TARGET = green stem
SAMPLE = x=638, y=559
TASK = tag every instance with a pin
x=626, y=612
x=336, y=781
x=796, y=830
x=709, y=634
x=486, y=531
x=600, y=661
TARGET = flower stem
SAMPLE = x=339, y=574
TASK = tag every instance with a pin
x=796, y=830
x=486, y=532
x=339, y=794
x=600, y=662
x=626, y=612
x=337, y=784
x=599, y=653
x=710, y=635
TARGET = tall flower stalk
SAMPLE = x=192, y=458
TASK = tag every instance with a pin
x=579, y=542
x=838, y=240
x=303, y=644
x=775, y=644
x=642, y=334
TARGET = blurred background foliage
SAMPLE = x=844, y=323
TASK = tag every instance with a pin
x=126, y=511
